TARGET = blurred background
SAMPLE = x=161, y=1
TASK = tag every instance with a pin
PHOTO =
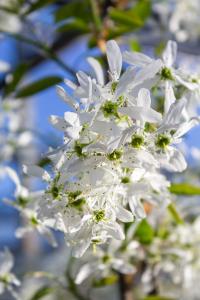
x=43, y=42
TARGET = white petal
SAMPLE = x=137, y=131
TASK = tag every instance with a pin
x=136, y=58
x=186, y=126
x=4, y=66
x=169, y=96
x=20, y=232
x=13, y=175
x=70, y=84
x=123, y=214
x=136, y=208
x=189, y=85
x=6, y=261
x=65, y=97
x=144, y=98
x=175, y=112
x=114, y=230
x=73, y=132
x=142, y=114
x=169, y=54
x=72, y=118
x=148, y=72
x=85, y=271
x=97, y=69
x=114, y=59
x=177, y=161
x=81, y=248
x=125, y=81
x=36, y=172
x=57, y=122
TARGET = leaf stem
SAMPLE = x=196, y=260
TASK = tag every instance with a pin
x=96, y=15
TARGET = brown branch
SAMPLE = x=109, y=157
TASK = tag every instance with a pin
x=126, y=286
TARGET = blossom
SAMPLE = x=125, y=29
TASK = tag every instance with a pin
x=8, y=281
x=166, y=72
x=27, y=204
x=115, y=144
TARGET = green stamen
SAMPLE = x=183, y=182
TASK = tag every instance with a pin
x=110, y=109
x=99, y=215
x=115, y=155
x=125, y=180
x=162, y=141
x=166, y=74
x=137, y=141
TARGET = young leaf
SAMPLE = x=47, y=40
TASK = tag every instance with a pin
x=38, y=86
x=42, y=292
x=134, y=17
x=142, y=9
x=76, y=25
x=144, y=232
x=125, y=18
x=175, y=214
x=74, y=9
x=185, y=189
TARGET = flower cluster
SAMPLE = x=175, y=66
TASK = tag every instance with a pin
x=115, y=144
x=180, y=17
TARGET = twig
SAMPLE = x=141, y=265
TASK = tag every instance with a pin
x=126, y=286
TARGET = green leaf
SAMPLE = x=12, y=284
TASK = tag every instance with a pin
x=38, y=86
x=134, y=17
x=175, y=214
x=38, y=5
x=142, y=9
x=75, y=9
x=135, y=45
x=17, y=75
x=125, y=18
x=76, y=25
x=185, y=189
x=144, y=232
x=117, y=31
x=109, y=280
x=42, y=292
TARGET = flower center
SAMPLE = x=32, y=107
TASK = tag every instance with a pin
x=99, y=215
x=115, y=155
x=162, y=141
x=166, y=74
x=110, y=109
x=125, y=180
x=137, y=141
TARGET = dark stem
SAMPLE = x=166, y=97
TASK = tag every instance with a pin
x=126, y=286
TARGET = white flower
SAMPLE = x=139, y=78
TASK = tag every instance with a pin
x=8, y=281
x=28, y=205
x=165, y=71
